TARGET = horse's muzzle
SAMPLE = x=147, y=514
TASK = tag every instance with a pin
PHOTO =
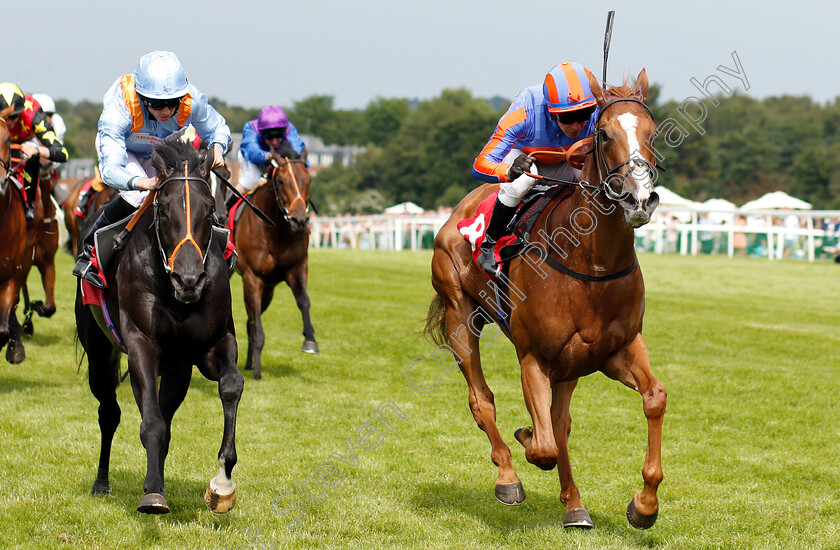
x=299, y=225
x=638, y=214
x=188, y=286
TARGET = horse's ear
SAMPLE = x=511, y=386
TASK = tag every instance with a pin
x=164, y=172
x=597, y=91
x=207, y=164
x=304, y=153
x=641, y=87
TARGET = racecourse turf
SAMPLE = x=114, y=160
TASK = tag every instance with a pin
x=747, y=350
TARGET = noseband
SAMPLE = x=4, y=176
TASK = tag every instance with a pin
x=169, y=263
x=275, y=175
x=598, y=147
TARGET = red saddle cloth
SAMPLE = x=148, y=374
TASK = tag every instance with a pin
x=473, y=230
x=91, y=295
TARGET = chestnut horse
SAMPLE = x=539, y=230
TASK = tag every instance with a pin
x=270, y=255
x=15, y=251
x=168, y=293
x=45, y=236
x=565, y=323
x=74, y=223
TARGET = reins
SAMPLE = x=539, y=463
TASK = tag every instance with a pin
x=169, y=263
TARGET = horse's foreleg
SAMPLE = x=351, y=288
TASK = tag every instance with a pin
x=7, y=302
x=464, y=342
x=174, y=384
x=143, y=361
x=253, y=288
x=631, y=366
x=221, y=493
x=561, y=398
x=46, y=266
x=541, y=450
x=15, y=353
x=296, y=279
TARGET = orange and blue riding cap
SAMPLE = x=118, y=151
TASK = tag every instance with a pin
x=566, y=88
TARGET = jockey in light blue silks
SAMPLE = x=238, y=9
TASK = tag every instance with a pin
x=548, y=117
x=271, y=129
x=139, y=111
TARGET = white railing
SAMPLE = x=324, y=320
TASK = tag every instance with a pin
x=762, y=232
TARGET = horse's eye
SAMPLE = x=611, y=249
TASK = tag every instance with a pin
x=602, y=135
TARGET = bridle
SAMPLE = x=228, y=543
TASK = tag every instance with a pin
x=275, y=175
x=169, y=262
x=612, y=173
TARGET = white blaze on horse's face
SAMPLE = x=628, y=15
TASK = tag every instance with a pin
x=639, y=170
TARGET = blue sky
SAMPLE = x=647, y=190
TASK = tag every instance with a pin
x=252, y=53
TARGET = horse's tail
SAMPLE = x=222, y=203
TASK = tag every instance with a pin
x=436, y=321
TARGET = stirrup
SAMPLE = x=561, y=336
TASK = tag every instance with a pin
x=487, y=258
x=84, y=270
x=29, y=211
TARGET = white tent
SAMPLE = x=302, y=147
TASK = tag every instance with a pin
x=777, y=200
x=669, y=198
x=404, y=208
x=723, y=210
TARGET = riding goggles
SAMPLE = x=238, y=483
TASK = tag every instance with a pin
x=273, y=133
x=160, y=104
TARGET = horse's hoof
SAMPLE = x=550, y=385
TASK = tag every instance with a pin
x=219, y=503
x=519, y=437
x=42, y=311
x=638, y=519
x=15, y=353
x=578, y=518
x=101, y=488
x=309, y=346
x=511, y=494
x=27, y=329
x=153, y=503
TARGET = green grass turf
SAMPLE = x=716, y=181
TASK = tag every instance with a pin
x=747, y=349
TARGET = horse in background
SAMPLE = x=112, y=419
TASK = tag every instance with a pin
x=73, y=223
x=168, y=294
x=15, y=251
x=581, y=315
x=271, y=255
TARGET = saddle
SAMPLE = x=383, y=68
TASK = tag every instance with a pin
x=518, y=231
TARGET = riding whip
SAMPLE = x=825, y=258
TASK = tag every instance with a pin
x=607, y=37
x=256, y=210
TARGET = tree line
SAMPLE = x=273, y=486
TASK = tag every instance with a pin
x=423, y=151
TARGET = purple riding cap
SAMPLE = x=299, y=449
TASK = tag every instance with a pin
x=272, y=117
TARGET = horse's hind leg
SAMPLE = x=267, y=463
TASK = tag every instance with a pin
x=46, y=266
x=103, y=378
x=631, y=366
x=296, y=279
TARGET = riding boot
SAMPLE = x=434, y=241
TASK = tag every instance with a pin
x=31, y=169
x=83, y=201
x=28, y=209
x=111, y=213
x=230, y=201
x=499, y=220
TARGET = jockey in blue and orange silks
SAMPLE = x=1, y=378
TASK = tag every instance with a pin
x=140, y=110
x=547, y=117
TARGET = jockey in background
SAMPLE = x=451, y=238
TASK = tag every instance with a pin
x=547, y=117
x=59, y=191
x=140, y=110
x=30, y=128
x=271, y=129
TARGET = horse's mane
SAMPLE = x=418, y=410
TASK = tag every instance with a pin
x=171, y=154
x=623, y=90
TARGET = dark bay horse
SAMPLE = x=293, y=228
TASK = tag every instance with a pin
x=15, y=251
x=564, y=325
x=270, y=255
x=169, y=296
